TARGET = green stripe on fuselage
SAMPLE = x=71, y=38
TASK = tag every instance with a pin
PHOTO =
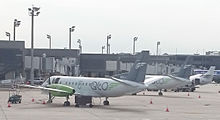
x=112, y=85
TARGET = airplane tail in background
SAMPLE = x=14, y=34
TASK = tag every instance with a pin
x=210, y=72
x=138, y=70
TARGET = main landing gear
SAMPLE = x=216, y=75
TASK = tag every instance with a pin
x=66, y=103
x=106, y=102
x=50, y=100
x=160, y=93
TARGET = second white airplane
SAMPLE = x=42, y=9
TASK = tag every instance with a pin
x=162, y=82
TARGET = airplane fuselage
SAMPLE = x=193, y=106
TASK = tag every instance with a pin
x=97, y=87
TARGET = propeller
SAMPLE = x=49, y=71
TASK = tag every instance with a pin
x=49, y=95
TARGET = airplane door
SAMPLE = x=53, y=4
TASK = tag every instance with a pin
x=197, y=81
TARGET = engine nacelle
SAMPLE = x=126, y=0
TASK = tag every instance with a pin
x=69, y=90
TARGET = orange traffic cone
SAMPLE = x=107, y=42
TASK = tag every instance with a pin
x=9, y=105
x=32, y=100
x=151, y=102
x=44, y=102
x=167, y=110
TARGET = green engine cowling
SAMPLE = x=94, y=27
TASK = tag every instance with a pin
x=68, y=90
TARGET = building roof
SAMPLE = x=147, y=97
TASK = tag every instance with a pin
x=73, y=53
x=11, y=44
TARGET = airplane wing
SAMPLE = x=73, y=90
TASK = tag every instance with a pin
x=44, y=88
x=179, y=78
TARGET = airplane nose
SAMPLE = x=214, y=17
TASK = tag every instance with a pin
x=44, y=84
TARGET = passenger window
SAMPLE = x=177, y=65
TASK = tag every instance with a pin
x=53, y=81
x=56, y=80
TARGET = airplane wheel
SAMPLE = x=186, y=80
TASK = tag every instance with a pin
x=66, y=103
x=77, y=105
x=106, y=102
x=90, y=105
x=160, y=93
x=49, y=101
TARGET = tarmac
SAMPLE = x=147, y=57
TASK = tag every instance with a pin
x=170, y=106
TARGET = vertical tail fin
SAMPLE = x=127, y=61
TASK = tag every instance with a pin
x=138, y=70
x=208, y=76
x=185, y=70
x=210, y=71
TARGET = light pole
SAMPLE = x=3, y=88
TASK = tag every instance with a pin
x=134, y=40
x=32, y=12
x=9, y=35
x=158, y=43
x=108, y=45
x=109, y=48
x=80, y=46
x=70, y=30
x=103, y=47
x=16, y=24
x=49, y=37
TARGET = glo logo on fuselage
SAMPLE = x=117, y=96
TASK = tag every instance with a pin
x=99, y=85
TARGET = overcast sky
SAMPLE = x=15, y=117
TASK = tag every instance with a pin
x=185, y=26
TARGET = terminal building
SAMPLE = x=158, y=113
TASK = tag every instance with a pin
x=52, y=62
x=11, y=59
x=104, y=65
x=15, y=59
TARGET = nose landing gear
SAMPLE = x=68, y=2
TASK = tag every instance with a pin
x=66, y=103
x=106, y=102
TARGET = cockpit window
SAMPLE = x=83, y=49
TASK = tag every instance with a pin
x=148, y=77
x=47, y=82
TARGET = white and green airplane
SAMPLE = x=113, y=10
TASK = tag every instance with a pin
x=84, y=88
